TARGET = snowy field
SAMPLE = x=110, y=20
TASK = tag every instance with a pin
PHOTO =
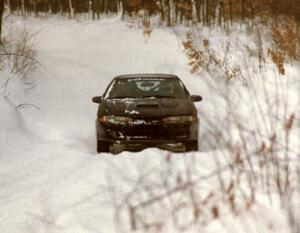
x=51, y=178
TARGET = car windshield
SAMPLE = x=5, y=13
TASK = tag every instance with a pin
x=146, y=88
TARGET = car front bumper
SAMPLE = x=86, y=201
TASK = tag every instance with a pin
x=149, y=133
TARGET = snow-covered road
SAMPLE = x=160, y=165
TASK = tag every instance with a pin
x=79, y=60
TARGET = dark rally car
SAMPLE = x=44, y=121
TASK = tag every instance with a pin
x=147, y=110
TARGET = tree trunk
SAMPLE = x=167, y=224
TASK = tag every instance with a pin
x=8, y=6
x=71, y=9
x=198, y=9
x=102, y=6
x=162, y=10
x=92, y=10
x=206, y=13
x=106, y=7
x=35, y=9
x=230, y=11
x=168, y=8
x=243, y=9
x=218, y=15
x=123, y=8
x=98, y=9
x=22, y=7
x=180, y=10
x=251, y=11
x=1, y=15
x=203, y=11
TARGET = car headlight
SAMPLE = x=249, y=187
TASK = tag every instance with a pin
x=115, y=119
x=180, y=119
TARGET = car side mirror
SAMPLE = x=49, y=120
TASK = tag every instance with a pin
x=97, y=99
x=196, y=98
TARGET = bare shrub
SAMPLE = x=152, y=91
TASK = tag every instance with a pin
x=18, y=59
x=202, y=58
x=18, y=54
x=279, y=44
x=286, y=43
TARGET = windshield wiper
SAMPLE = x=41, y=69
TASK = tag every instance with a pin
x=122, y=97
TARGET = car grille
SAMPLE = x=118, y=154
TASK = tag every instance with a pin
x=151, y=129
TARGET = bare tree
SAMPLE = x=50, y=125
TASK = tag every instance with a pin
x=162, y=10
x=168, y=8
x=198, y=9
x=71, y=9
x=1, y=15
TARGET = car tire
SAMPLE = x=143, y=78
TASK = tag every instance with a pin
x=191, y=145
x=102, y=146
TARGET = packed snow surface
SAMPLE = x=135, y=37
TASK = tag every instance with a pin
x=51, y=178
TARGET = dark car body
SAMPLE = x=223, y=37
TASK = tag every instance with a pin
x=146, y=110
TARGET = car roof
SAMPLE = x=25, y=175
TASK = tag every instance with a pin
x=146, y=76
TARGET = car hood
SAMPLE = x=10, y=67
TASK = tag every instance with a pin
x=148, y=107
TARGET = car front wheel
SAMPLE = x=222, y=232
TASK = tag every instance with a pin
x=102, y=146
x=191, y=146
